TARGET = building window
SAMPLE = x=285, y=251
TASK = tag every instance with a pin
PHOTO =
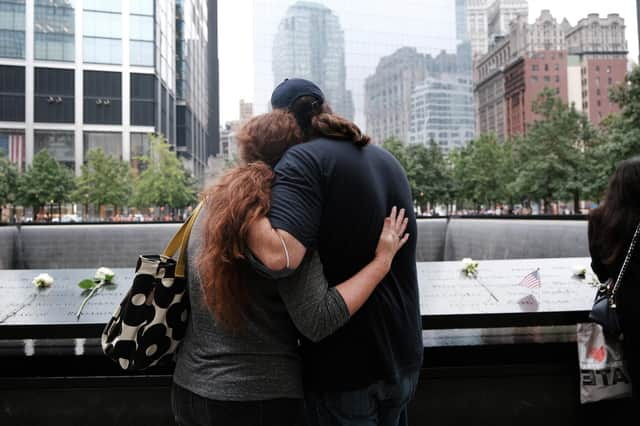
x=557, y=79
x=597, y=68
x=556, y=67
x=12, y=146
x=608, y=69
x=54, y=30
x=140, y=146
x=143, y=99
x=102, y=97
x=102, y=23
x=12, y=24
x=59, y=144
x=109, y=142
x=142, y=46
x=54, y=97
x=546, y=67
x=610, y=81
x=547, y=79
x=535, y=67
x=12, y=95
x=534, y=78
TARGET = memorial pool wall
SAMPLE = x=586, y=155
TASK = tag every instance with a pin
x=118, y=245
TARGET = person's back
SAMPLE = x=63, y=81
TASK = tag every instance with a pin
x=349, y=189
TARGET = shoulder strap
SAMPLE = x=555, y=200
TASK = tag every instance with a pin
x=632, y=246
x=180, y=240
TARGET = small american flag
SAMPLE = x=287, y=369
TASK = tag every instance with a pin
x=532, y=280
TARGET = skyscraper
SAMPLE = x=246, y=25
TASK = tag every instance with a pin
x=442, y=112
x=310, y=44
x=487, y=19
x=192, y=82
x=79, y=75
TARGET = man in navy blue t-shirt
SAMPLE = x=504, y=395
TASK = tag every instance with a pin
x=333, y=195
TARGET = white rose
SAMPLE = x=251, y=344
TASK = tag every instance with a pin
x=43, y=280
x=467, y=261
x=579, y=271
x=104, y=274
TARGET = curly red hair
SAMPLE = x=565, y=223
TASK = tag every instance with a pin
x=240, y=197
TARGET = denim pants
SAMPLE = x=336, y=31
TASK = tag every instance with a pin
x=190, y=409
x=380, y=404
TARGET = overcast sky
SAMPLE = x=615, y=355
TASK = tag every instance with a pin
x=236, y=32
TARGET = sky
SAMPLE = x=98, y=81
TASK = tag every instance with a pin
x=391, y=27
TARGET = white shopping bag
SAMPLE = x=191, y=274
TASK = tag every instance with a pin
x=603, y=374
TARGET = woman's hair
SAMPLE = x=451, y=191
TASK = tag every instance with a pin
x=233, y=204
x=316, y=119
x=619, y=215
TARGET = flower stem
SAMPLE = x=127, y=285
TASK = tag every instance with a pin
x=89, y=296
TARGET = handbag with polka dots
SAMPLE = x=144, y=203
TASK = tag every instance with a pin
x=151, y=320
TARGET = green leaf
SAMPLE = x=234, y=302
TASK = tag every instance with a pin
x=87, y=284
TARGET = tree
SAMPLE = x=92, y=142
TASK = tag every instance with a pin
x=483, y=171
x=8, y=181
x=104, y=180
x=550, y=155
x=622, y=130
x=165, y=181
x=45, y=181
x=427, y=170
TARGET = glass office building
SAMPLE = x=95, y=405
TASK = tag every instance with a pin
x=82, y=74
x=333, y=41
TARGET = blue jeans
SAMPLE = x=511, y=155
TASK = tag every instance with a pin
x=379, y=404
x=190, y=409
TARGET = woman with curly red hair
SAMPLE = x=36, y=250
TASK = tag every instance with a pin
x=239, y=363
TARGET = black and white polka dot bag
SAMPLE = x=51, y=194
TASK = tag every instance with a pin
x=151, y=320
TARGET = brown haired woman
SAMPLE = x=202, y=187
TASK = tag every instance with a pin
x=239, y=362
x=611, y=228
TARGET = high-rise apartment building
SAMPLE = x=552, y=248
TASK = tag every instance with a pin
x=82, y=74
x=310, y=44
x=544, y=34
x=442, y=112
x=580, y=64
x=599, y=49
x=389, y=91
x=388, y=94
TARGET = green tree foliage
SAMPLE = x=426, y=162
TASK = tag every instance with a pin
x=622, y=130
x=104, y=180
x=45, y=181
x=551, y=156
x=8, y=182
x=484, y=171
x=165, y=181
x=427, y=169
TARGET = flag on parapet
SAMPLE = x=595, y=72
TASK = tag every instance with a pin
x=532, y=279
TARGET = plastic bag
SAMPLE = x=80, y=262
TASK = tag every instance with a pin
x=603, y=374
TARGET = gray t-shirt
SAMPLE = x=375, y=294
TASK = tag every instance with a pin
x=262, y=360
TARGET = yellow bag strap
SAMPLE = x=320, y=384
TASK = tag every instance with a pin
x=180, y=240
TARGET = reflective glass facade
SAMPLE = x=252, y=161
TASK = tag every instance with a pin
x=54, y=30
x=59, y=144
x=102, y=32
x=109, y=142
x=12, y=27
x=142, y=33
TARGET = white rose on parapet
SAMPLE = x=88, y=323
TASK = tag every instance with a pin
x=43, y=280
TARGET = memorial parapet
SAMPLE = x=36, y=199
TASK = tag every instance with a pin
x=448, y=298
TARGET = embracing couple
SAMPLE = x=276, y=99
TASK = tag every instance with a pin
x=302, y=279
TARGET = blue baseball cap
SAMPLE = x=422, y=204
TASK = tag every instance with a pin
x=291, y=89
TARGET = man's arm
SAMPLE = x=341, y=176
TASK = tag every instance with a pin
x=266, y=245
